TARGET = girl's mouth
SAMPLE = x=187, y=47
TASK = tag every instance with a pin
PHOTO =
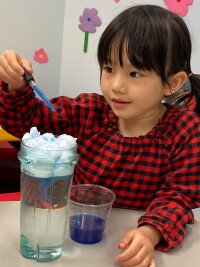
x=118, y=103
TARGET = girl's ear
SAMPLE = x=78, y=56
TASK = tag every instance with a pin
x=175, y=83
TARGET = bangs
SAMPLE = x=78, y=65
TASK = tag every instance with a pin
x=141, y=35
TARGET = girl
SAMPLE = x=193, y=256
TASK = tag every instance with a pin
x=147, y=152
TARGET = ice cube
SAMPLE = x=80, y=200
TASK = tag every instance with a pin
x=32, y=143
x=34, y=132
x=49, y=137
x=26, y=136
x=66, y=141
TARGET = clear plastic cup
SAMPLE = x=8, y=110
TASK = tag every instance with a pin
x=89, y=209
x=46, y=178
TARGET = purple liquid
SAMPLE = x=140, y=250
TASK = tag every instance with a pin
x=86, y=228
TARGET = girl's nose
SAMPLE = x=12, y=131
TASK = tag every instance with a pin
x=118, y=85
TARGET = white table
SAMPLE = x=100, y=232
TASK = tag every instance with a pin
x=98, y=255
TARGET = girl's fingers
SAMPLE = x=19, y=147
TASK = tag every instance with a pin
x=7, y=71
x=9, y=77
x=14, y=61
x=129, y=253
x=13, y=81
x=137, y=259
x=27, y=65
x=144, y=262
x=11, y=71
x=126, y=239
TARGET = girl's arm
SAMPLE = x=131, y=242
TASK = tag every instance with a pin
x=21, y=110
x=171, y=209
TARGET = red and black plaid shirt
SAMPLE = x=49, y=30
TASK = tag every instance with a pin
x=158, y=172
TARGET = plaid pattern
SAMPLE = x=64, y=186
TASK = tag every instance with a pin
x=46, y=193
x=158, y=172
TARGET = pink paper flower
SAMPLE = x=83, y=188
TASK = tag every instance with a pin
x=89, y=20
x=178, y=6
x=41, y=56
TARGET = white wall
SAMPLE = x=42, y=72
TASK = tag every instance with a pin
x=79, y=70
x=26, y=26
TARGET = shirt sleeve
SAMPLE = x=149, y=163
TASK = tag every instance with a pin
x=19, y=111
x=170, y=211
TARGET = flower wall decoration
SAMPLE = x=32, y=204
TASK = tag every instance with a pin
x=40, y=56
x=178, y=6
x=89, y=20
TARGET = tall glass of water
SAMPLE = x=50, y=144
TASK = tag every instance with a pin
x=46, y=178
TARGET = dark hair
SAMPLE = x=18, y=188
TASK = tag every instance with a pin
x=155, y=39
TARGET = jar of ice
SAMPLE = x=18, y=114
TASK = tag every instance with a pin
x=47, y=167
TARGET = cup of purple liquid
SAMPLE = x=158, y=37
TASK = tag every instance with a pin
x=88, y=210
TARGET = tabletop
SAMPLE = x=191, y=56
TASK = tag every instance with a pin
x=101, y=254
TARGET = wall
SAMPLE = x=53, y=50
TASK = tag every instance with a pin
x=26, y=26
x=79, y=70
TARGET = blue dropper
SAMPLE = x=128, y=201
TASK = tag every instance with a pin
x=30, y=81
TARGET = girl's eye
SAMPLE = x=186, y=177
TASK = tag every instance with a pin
x=109, y=69
x=135, y=74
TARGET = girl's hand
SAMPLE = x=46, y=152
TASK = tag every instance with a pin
x=140, y=252
x=11, y=71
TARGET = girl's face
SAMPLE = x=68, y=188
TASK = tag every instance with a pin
x=134, y=96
